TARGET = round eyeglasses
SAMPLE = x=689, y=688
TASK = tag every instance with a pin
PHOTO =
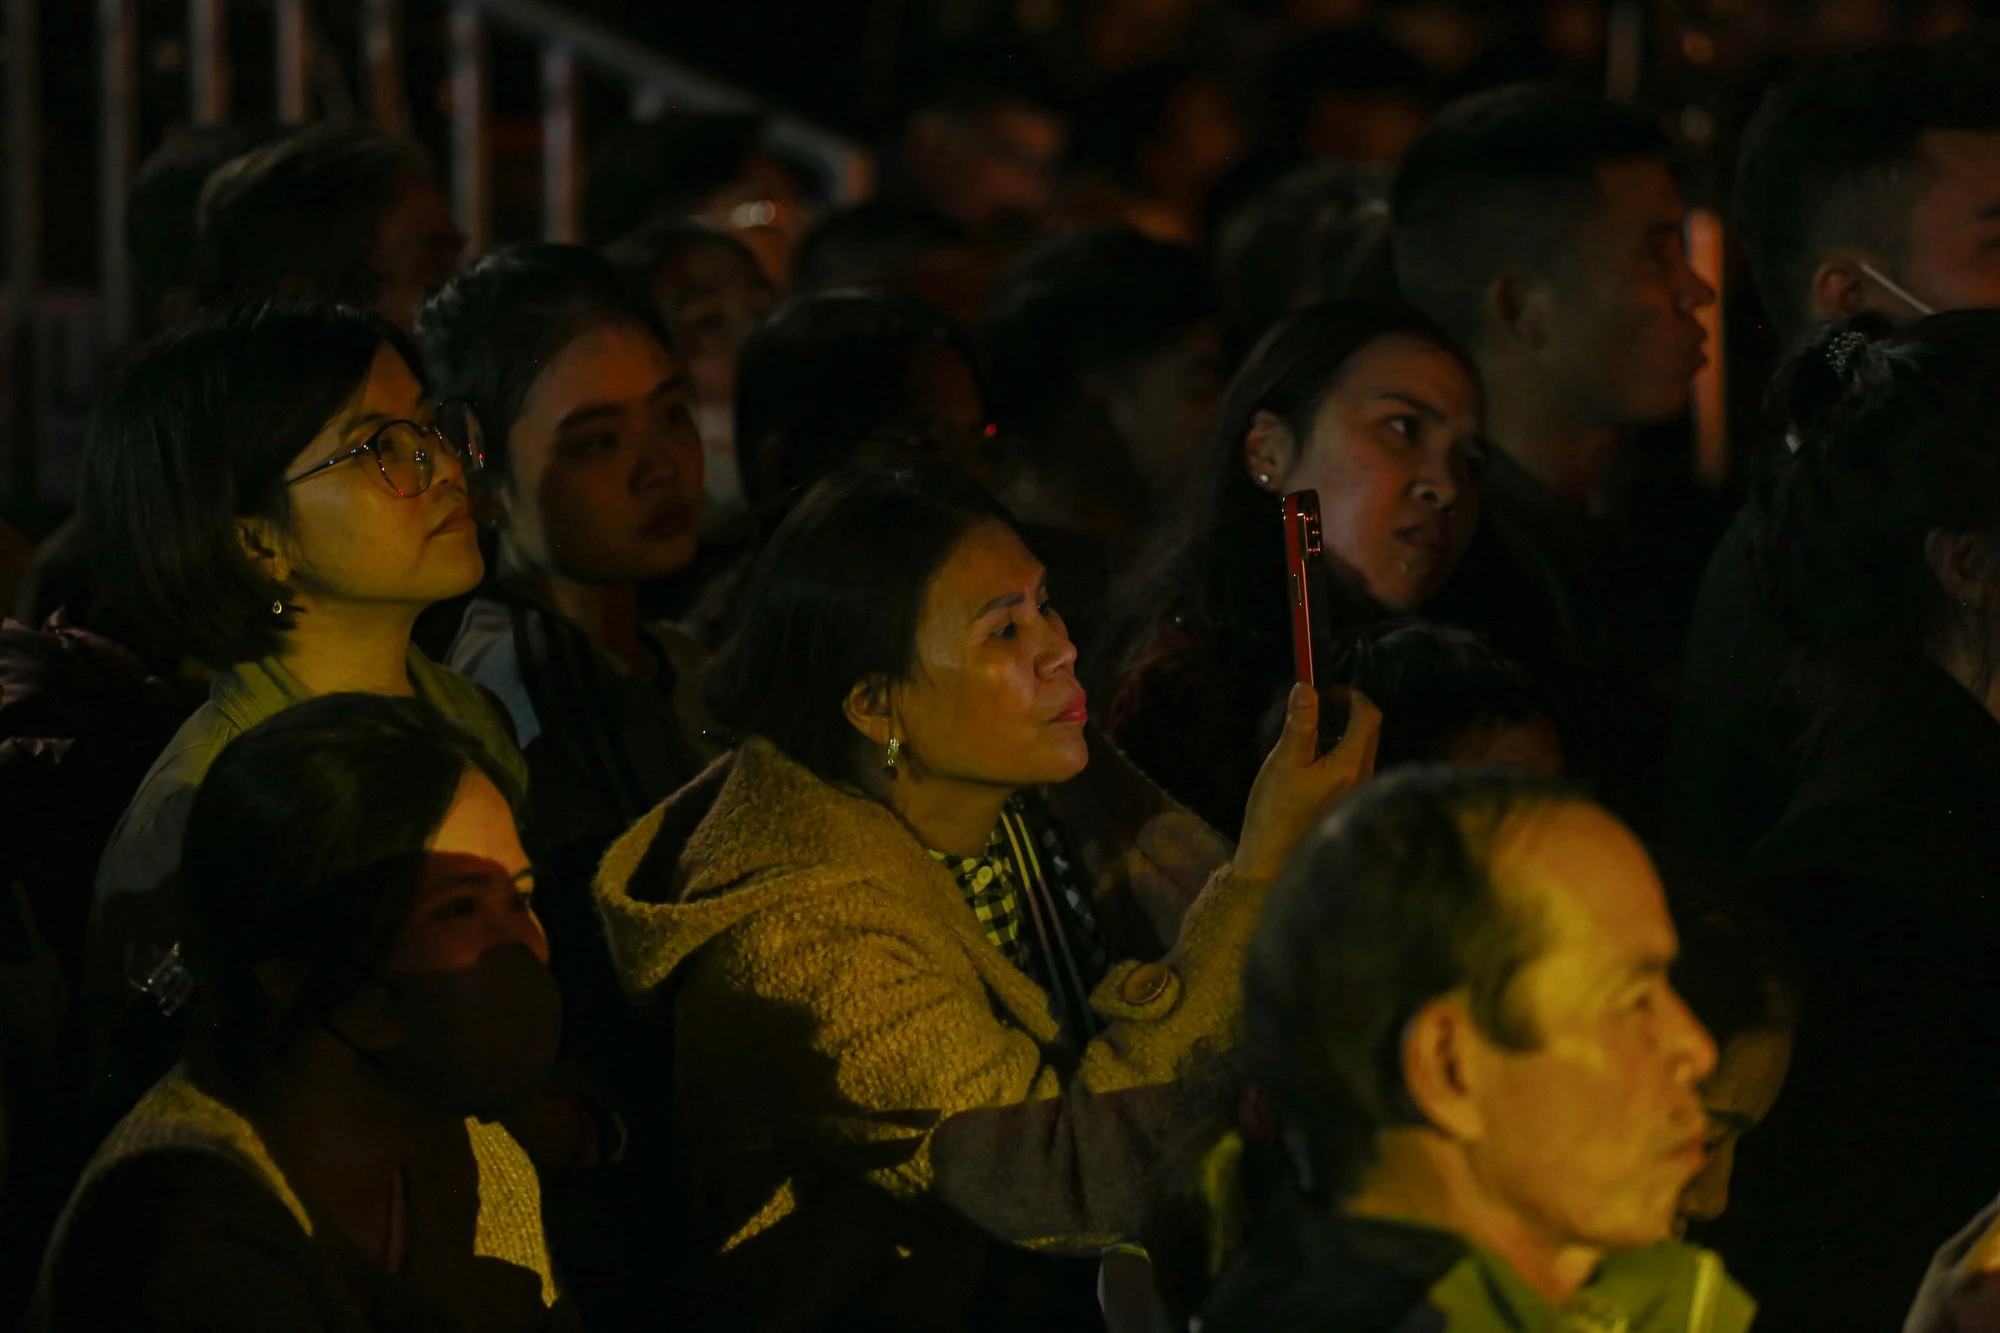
x=405, y=452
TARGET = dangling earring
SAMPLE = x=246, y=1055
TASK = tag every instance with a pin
x=889, y=753
x=277, y=608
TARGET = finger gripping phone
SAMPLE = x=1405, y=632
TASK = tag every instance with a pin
x=1312, y=620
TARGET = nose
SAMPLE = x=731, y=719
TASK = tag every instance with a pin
x=1438, y=485
x=1696, y=294
x=1057, y=655
x=1691, y=1042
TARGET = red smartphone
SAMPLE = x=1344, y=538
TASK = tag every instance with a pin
x=1305, y=570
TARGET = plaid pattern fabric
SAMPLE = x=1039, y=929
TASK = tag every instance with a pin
x=1024, y=891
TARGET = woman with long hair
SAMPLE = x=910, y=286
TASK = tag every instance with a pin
x=1369, y=404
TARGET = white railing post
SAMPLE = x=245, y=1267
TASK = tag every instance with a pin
x=562, y=135
x=117, y=157
x=208, y=61
x=470, y=181
x=382, y=42
x=292, y=54
x=24, y=238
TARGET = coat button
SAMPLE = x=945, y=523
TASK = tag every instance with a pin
x=1144, y=984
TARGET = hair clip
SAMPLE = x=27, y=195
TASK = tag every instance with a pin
x=1842, y=349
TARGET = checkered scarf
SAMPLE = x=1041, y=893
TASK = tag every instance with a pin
x=1025, y=892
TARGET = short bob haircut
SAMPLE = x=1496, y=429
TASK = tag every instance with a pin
x=836, y=598
x=1386, y=907
x=305, y=844
x=198, y=433
x=491, y=331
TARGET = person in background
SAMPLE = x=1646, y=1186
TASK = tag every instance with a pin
x=337, y=213
x=1447, y=697
x=1493, y=1128
x=1371, y=405
x=1106, y=360
x=1871, y=185
x=1876, y=552
x=886, y=913
x=1150, y=146
x=160, y=239
x=903, y=249
x=837, y=377
x=1737, y=973
x=983, y=153
x=592, y=482
x=377, y=992
x=709, y=291
x=1315, y=234
x=1544, y=229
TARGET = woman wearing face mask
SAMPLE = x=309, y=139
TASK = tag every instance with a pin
x=376, y=989
x=1367, y=403
x=593, y=482
x=891, y=924
x=271, y=485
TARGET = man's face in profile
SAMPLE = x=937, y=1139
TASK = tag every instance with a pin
x=1952, y=258
x=1589, y=1137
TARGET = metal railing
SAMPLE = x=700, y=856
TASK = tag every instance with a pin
x=568, y=45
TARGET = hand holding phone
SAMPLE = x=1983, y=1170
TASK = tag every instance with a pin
x=1305, y=567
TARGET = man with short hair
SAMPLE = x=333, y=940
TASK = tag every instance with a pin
x=1543, y=228
x=1872, y=185
x=1483, y=1080
x=338, y=212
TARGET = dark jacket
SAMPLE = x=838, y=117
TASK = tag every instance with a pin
x=184, y=1221
x=1739, y=720
x=1885, y=870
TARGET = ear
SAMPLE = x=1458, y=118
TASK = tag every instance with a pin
x=870, y=709
x=1270, y=452
x=260, y=542
x=1441, y=1058
x=1965, y=565
x=1517, y=306
x=1839, y=287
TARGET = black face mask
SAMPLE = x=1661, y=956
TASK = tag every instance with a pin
x=479, y=1041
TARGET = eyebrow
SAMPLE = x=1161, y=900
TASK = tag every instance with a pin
x=1010, y=599
x=1412, y=402
x=464, y=878
x=594, y=412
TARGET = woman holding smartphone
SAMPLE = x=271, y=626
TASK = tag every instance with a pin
x=1370, y=405
x=934, y=956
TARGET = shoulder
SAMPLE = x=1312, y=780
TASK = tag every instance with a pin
x=486, y=653
x=173, y=1238
x=472, y=707
x=145, y=846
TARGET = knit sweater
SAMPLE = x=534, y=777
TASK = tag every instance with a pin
x=876, y=1094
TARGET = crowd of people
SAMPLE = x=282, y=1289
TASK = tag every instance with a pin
x=653, y=784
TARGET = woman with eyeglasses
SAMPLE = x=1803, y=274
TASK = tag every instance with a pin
x=271, y=482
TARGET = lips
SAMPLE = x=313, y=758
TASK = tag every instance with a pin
x=458, y=520
x=1076, y=714
x=668, y=523
x=1423, y=536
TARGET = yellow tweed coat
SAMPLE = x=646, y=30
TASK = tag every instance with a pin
x=873, y=1092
